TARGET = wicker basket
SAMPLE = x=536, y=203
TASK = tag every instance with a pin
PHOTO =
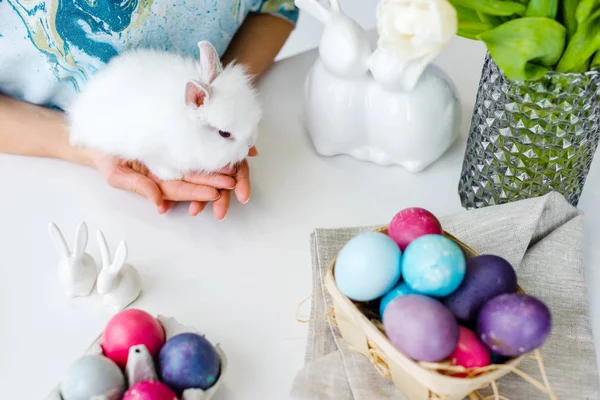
x=416, y=381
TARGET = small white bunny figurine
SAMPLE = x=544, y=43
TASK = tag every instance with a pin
x=140, y=366
x=119, y=283
x=77, y=270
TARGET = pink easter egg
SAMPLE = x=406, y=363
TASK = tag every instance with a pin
x=149, y=390
x=469, y=352
x=412, y=223
x=129, y=328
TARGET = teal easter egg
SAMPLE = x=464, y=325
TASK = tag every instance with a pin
x=92, y=377
x=368, y=266
x=402, y=289
x=433, y=265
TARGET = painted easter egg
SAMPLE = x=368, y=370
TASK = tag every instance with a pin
x=188, y=361
x=514, y=324
x=412, y=223
x=149, y=390
x=368, y=266
x=93, y=376
x=129, y=328
x=421, y=327
x=469, y=352
x=400, y=289
x=486, y=277
x=433, y=265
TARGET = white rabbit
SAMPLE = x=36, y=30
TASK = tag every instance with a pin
x=118, y=283
x=140, y=365
x=168, y=112
x=355, y=102
x=77, y=270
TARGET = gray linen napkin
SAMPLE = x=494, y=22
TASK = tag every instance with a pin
x=541, y=238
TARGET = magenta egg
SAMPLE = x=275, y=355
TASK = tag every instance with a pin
x=412, y=223
x=149, y=390
x=129, y=328
x=469, y=352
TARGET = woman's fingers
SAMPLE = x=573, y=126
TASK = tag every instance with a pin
x=165, y=206
x=126, y=178
x=219, y=181
x=221, y=205
x=242, y=189
x=185, y=191
x=196, y=207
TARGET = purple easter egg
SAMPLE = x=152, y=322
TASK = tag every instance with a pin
x=189, y=361
x=421, y=327
x=514, y=324
x=486, y=277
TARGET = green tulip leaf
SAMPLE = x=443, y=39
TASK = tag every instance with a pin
x=472, y=29
x=526, y=48
x=584, y=43
x=569, y=20
x=492, y=20
x=542, y=8
x=494, y=7
x=464, y=13
x=596, y=61
x=585, y=8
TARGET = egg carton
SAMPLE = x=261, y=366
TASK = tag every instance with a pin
x=172, y=328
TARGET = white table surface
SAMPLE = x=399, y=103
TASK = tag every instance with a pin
x=239, y=280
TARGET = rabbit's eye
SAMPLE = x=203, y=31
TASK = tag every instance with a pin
x=224, y=134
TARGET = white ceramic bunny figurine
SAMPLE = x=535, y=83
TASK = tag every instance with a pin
x=140, y=366
x=386, y=107
x=119, y=283
x=77, y=270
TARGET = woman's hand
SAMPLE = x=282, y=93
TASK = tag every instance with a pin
x=197, y=188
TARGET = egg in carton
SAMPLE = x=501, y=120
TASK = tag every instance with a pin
x=141, y=367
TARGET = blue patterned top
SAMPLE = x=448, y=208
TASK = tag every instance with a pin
x=49, y=48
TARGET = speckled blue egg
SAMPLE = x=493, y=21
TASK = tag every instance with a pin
x=368, y=266
x=433, y=265
x=92, y=376
x=188, y=361
x=402, y=289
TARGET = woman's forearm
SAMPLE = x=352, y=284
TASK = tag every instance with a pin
x=257, y=42
x=30, y=130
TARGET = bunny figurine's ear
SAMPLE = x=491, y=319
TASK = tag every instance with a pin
x=59, y=240
x=210, y=64
x=104, y=251
x=196, y=94
x=81, y=239
x=120, y=257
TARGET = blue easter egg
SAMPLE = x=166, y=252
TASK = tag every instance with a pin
x=188, y=361
x=368, y=266
x=433, y=265
x=91, y=377
x=402, y=289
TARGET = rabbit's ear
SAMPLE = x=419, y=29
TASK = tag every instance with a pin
x=104, y=251
x=120, y=257
x=316, y=9
x=81, y=239
x=59, y=240
x=196, y=94
x=210, y=64
x=335, y=5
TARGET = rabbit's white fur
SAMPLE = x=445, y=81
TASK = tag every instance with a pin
x=77, y=270
x=136, y=108
x=118, y=283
